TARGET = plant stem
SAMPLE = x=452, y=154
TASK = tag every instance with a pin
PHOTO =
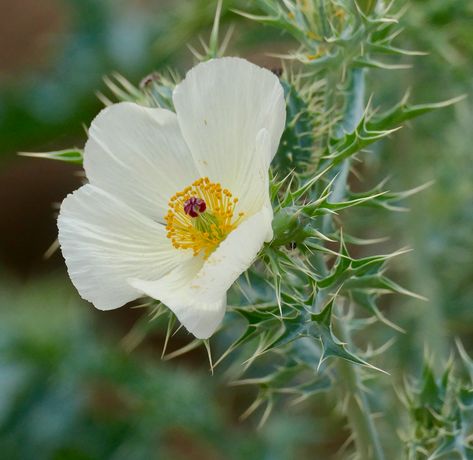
x=367, y=441
x=368, y=445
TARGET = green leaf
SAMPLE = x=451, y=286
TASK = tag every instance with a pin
x=379, y=283
x=332, y=347
x=372, y=128
x=72, y=155
x=368, y=302
x=377, y=198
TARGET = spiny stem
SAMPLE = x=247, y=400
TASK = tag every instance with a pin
x=364, y=431
x=368, y=445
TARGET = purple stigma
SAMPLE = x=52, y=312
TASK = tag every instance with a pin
x=194, y=206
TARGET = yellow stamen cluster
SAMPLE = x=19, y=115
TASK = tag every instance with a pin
x=206, y=231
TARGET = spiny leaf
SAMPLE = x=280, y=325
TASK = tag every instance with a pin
x=441, y=425
x=294, y=328
x=73, y=155
x=387, y=200
x=403, y=112
x=327, y=207
x=371, y=63
x=122, y=89
x=372, y=128
x=275, y=16
x=332, y=347
x=368, y=302
x=183, y=350
x=155, y=90
x=338, y=272
x=380, y=283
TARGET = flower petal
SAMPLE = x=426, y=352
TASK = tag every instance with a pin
x=196, y=293
x=254, y=186
x=138, y=155
x=221, y=106
x=105, y=242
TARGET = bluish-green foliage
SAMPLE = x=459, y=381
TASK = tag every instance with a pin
x=316, y=299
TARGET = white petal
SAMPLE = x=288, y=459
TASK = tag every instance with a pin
x=221, y=106
x=197, y=294
x=138, y=154
x=254, y=185
x=105, y=242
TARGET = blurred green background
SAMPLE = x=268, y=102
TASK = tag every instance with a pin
x=69, y=387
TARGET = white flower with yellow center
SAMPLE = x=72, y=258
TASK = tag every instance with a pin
x=177, y=205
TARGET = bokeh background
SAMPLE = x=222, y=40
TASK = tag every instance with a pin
x=72, y=386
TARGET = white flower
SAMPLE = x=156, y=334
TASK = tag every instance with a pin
x=177, y=205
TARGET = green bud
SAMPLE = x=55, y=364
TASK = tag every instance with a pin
x=288, y=227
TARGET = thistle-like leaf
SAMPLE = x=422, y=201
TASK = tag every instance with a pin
x=72, y=155
x=372, y=128
x=321, y=328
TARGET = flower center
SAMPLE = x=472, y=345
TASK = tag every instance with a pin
x=194, y=206
x=201, y=217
